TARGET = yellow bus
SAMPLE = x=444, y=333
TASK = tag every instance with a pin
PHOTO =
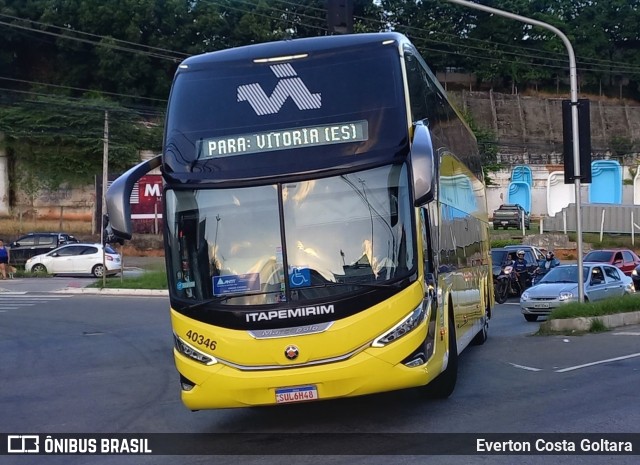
x=325, y=223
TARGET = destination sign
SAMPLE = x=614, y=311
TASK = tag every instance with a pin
x=285, y=139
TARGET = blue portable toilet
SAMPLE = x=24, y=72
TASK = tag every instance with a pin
x=520, y=193
x=606, y=182
x=522, y=173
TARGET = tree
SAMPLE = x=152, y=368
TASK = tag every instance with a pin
x=61, y=140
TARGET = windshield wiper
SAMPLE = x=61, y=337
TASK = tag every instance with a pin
x=220, y=299
x=332, y=284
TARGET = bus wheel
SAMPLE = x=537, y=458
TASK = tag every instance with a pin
x=443, y=386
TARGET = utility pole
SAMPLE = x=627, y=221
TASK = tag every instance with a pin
x=574, y=116
x=105, y=170
x=340, y=16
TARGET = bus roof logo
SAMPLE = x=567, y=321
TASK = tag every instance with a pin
x=289, y=85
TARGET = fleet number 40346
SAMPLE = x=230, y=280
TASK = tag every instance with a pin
x=199, y=339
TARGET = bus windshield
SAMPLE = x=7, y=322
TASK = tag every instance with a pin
x=333, y=235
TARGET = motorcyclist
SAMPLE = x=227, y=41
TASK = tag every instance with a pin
x=550, y=261
x=521, y=267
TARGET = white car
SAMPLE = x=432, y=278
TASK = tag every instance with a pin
x=76, y=259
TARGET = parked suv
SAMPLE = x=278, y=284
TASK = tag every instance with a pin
x=510, y=216
x=33, y=244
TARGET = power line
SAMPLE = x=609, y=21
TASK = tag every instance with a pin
x=99, y=44
x=97, y=36
x=137, y=97
x=82, y=103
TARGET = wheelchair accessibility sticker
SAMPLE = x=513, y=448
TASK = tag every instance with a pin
x=299, y=277
x=230, y=284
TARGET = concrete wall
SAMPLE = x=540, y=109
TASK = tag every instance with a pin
x=529, y=128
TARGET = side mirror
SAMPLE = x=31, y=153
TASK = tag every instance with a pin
x=423, y=168
x=119, y=193
x=430, y=281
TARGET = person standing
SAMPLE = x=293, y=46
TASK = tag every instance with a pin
x=521, y=267
x=4, y=260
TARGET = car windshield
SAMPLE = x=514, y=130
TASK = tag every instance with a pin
x=294, y=241
x=565, y=274
x=498, y=257
x=598, y=256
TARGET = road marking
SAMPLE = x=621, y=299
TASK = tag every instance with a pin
x=627, y=333
x=522, y=367
x=599, y=362
x=511, y=303
x=17, y=300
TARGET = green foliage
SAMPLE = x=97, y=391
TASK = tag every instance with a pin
x=597, y=326
x=498, y=243
x=608, y=240
x=487, y=146
x=147, y=280
x=629, y=303
x=621, y=146
x=49, y=135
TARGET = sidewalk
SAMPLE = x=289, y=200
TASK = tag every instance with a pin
x=73, y=285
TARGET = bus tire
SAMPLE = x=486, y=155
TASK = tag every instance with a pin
x=443, y=386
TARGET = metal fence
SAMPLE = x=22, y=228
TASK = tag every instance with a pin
x=596, y=218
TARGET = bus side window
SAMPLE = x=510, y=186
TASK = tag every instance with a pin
x=425, y=104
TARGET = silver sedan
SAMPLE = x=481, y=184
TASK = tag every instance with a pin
x=560, y=285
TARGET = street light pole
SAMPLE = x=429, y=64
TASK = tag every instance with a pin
x=574, y=115
x=105, y=178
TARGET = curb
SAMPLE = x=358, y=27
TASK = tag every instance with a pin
x=584, y=323
x=96, y=291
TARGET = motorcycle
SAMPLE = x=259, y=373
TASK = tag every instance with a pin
x=510, y=283
x=542, y=270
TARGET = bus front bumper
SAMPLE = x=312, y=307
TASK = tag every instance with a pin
x=370, y=371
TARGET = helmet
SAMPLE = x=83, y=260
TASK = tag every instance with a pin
x=520, y=252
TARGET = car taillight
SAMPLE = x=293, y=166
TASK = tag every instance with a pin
x=110, y=258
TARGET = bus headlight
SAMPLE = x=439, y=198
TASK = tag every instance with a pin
x=189, y=351
x=408, y=324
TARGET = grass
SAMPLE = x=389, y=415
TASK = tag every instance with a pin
x=597, y=326
x=609, y=241
x=153, y=279
x=611, y=306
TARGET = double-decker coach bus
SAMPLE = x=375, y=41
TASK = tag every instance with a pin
x=326, y=232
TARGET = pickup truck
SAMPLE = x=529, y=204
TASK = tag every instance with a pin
x=510, y=215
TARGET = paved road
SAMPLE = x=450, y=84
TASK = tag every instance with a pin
x=104, y=364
